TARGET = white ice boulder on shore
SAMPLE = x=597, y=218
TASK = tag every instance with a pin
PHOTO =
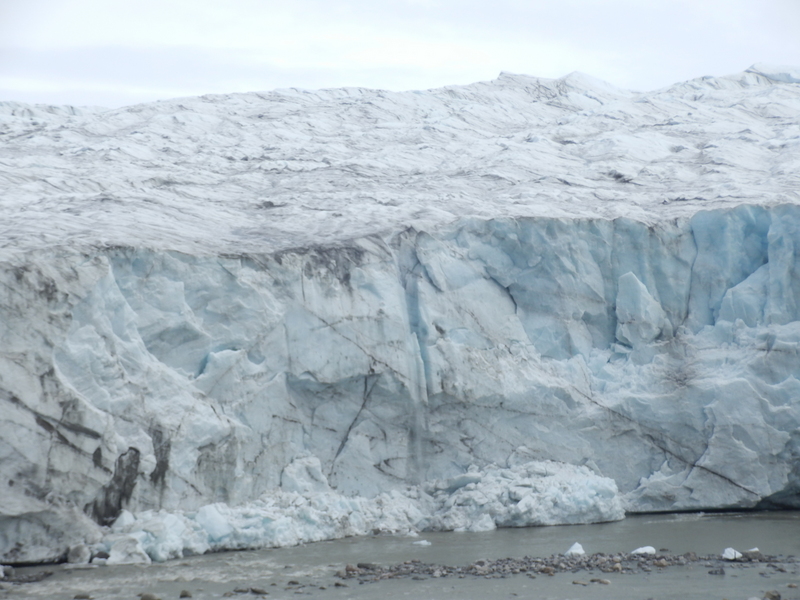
x=575, y=550
x=647, y=550
x=731, y=554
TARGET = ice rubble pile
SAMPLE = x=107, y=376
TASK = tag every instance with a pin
x=306, y=509
x=174, y=346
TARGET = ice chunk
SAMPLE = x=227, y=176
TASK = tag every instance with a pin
x=731, y=554
x=126, y=550
x=575, y=550
x=640, y=316
x=644, y=550
x=212, y=521
x=483, y=523
x=123, y=521
x=747, y=299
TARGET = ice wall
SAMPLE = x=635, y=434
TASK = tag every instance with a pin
x=662, y=356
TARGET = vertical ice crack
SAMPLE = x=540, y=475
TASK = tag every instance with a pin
x=367, y=392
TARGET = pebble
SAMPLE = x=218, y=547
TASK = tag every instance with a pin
x=148, y=596
x=553, y=565
x=82, y=596
x=185, y=594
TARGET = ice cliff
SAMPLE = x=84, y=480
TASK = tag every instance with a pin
x=265, y=319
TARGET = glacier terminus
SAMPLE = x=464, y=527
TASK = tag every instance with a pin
x=264, y=319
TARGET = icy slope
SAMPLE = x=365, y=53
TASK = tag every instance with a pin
x=399, y=307
x=266, y=171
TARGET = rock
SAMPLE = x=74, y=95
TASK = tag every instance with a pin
x=772, y=595
x=148, y=596
x=82, y=596
x=259, y=591
x=717, y=571
x=661, y=563
x=185, y=594
x=576, y=582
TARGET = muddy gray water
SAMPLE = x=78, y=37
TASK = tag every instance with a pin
x=304, y=571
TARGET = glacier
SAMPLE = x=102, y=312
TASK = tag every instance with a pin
x=266, y=319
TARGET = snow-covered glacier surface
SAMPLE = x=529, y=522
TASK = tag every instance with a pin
x=267, y=319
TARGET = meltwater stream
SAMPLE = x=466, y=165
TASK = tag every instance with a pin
x=310, y=571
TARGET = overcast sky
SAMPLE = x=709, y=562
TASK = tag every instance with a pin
x=120, y=52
